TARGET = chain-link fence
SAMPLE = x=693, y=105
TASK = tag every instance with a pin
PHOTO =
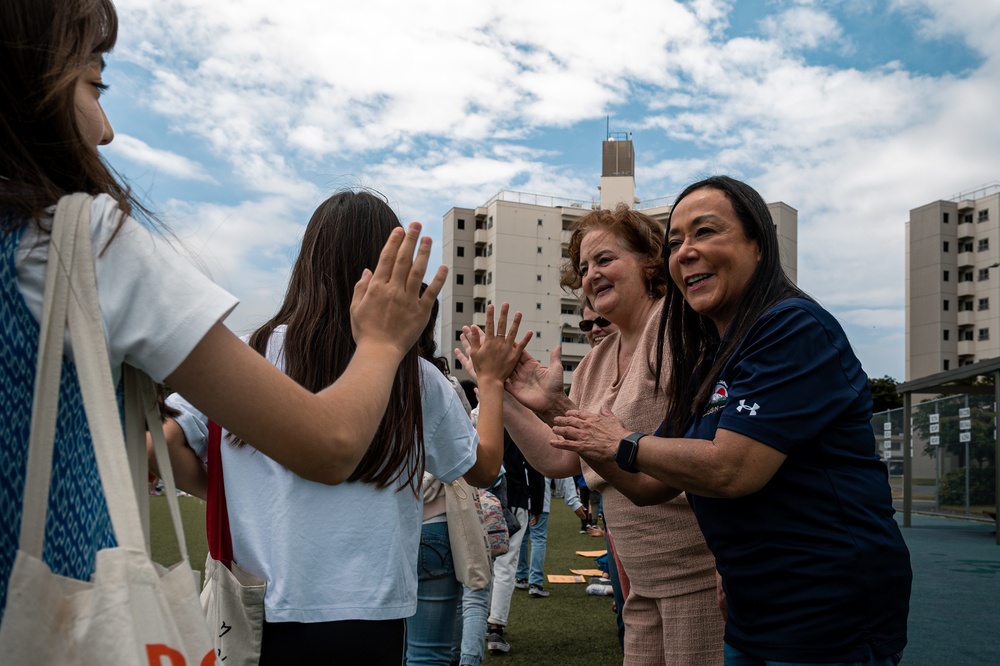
x=954, y=454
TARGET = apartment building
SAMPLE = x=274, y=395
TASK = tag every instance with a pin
x=953, y=282
x=511, y=249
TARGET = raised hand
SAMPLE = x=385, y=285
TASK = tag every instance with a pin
x=387, y=307
x=539, y=387
x=494, y=353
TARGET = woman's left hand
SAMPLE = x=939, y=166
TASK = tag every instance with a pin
x=593, y=436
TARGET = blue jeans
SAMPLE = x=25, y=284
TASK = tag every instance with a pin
x=429, y=632
x=734, y=657
x=539, y=536
x=470, y=626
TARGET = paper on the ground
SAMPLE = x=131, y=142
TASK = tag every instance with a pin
x=557, y=578
x=589, y=572
x=591, y=553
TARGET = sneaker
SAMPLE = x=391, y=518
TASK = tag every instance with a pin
x=600, y=590
x=537, y=591
x=495, y=642
x=521, y=583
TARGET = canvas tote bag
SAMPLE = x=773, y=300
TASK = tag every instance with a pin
x=469, y=547
x=132, y=611
x=233, y=598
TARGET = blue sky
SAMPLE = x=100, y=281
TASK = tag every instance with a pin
x=235, y=119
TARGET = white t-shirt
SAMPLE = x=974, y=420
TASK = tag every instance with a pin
x=331, y=553
x=155, y=304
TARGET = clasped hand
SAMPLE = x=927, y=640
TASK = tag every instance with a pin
x=592, y=436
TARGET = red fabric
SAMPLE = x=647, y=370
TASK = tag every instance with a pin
x=220, y=541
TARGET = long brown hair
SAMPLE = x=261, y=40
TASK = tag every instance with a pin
x=44, y=46
x=344, y=237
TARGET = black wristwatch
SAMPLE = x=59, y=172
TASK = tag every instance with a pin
x=628, y=449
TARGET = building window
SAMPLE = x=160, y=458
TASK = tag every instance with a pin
x=984, y=304
x=538, y=306
x=984, y=215
x=538, y=335
x=965, y=306
x=479, y=306
x=966, y=335
x=944, y=306
x=489, y=277
x=944, y=218
x=984, y=244
x=489, y=222
x=984, y=334
x=565, y=253
x=458, y=336
x=480, y=278
x=539, y=223
x=459, y=306
x=567, y=310
x=461, y=223
x=538, y=278
x=946, y=360
x=459, y=278
x=966, y=247
x=946, y=334
x=538, y=250
x=479, y=224
x=984, y=274
x=945, y=278
x=460, y=250
x=967, y=218
x=945, y=249
x=966, y=276
x=489, y=250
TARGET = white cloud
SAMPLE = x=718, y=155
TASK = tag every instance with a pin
x=802, y=28
x=163, y=161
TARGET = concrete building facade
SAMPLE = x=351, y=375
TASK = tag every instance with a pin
x=512, y=248
x=953, y=282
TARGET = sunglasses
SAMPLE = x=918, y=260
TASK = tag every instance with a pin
x=587, y=324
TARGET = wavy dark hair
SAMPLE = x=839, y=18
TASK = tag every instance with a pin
x=44, y=46
x=344, y=237
x=690, y=338
x=638, y=232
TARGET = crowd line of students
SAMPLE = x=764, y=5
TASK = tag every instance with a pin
x=725, y=423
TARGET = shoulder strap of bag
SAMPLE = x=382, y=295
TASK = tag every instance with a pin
x=71, y=295
x=220, y=541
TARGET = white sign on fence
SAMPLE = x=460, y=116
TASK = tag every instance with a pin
x=965, y=436
x=886, y=445
x=964, y=413
x=935, y=440
x=934, y=418
x=887, y=426
x=935, y=427
x=887, y=455
x=965, y=425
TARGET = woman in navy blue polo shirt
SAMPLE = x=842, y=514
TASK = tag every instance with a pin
x=777, y=454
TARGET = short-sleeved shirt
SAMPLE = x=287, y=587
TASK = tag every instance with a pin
x=813, y=564
x=334, y=552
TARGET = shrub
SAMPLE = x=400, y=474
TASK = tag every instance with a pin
x=982, y=486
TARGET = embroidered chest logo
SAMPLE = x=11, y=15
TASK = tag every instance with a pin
x=752, y=409
x=719, y=398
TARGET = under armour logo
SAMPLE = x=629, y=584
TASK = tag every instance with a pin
x=744, y=405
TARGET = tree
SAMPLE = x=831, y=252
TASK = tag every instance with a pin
x=884, y=395
x=982, y=448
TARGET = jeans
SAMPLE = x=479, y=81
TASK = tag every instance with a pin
x=470, y=627
x=538, y=534
x=736, y=657
x=430, y=631
x=504, y=568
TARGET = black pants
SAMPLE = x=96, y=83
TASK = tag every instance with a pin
x=345, y=643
